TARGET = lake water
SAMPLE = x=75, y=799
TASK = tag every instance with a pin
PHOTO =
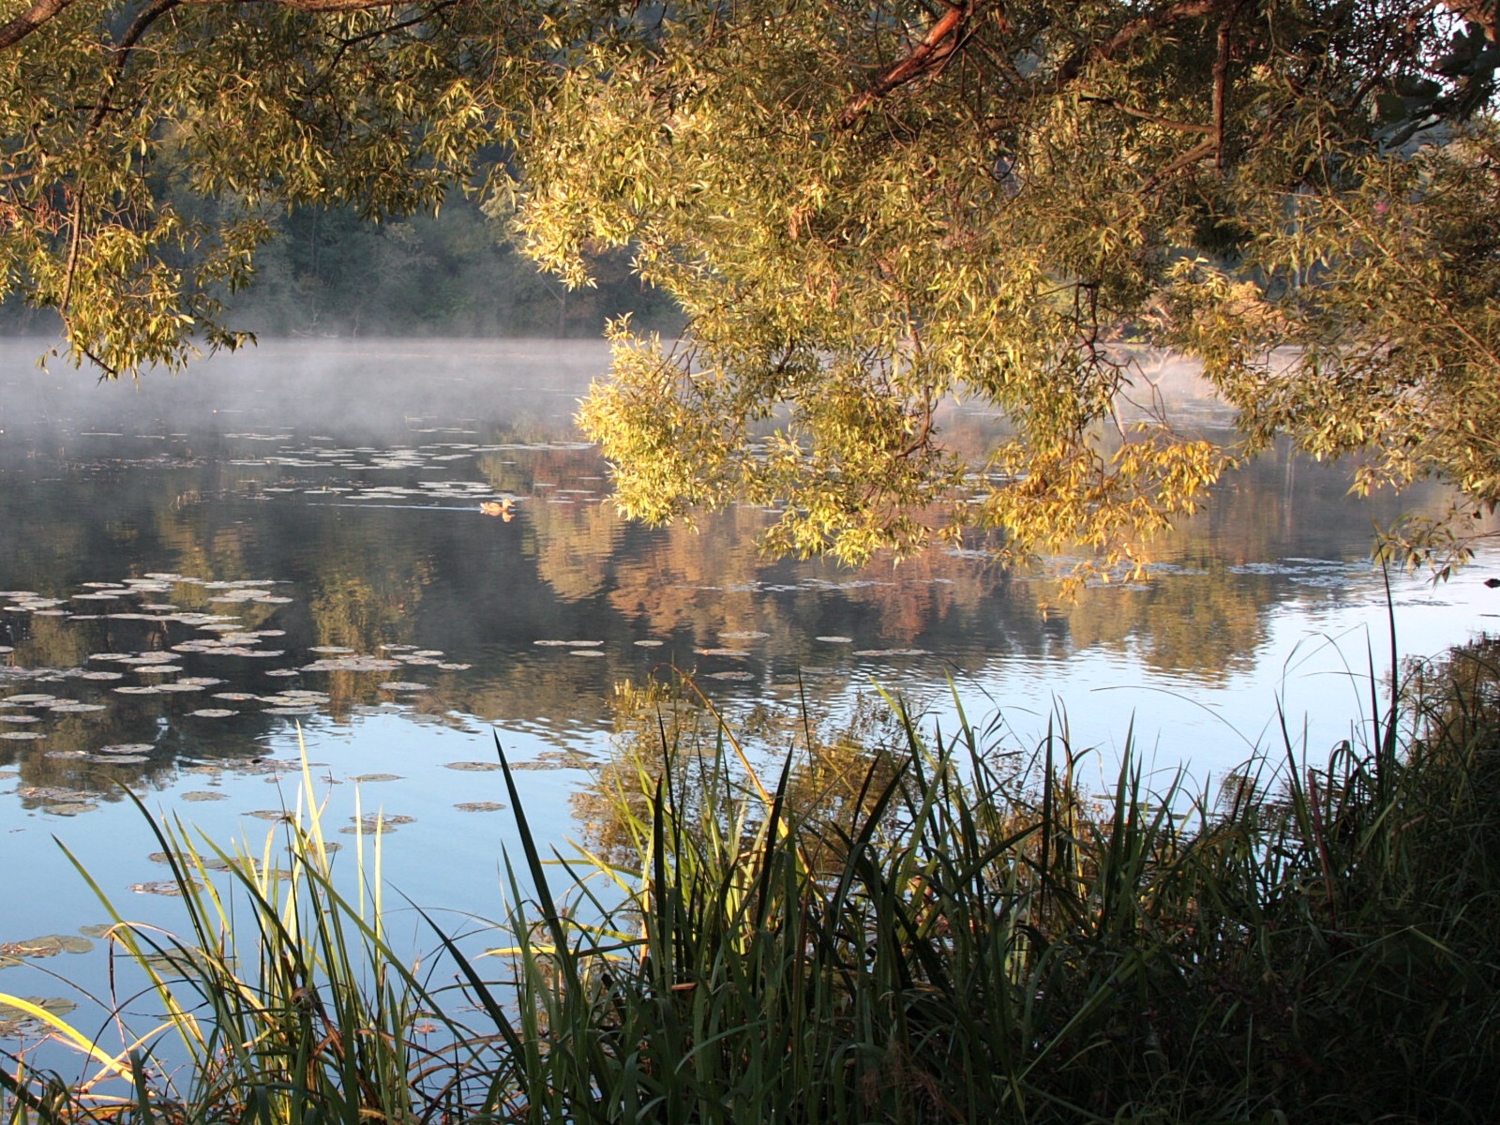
x=196, y=568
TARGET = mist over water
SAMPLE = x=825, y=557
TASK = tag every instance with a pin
x=195, y=567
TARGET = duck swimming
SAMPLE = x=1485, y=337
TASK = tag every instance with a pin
x=505, y=508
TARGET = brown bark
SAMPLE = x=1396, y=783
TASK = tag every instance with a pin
x=936, y=47
x=44, y=11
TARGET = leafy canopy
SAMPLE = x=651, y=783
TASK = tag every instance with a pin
x=864, y=209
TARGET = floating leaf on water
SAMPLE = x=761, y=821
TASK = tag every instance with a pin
x=21, y=735
x=475, y=767
x=587, y=652
x=403, y=685
x=165, y=887
x=744, y=635
x=236, y=696
x=156, y=668
x=6, y=650
x=139, y=689
x=399, y=648
x=75, y=708
x=71, y=808
x=97, y=929
x=331, y=649
x=448, y=667
x=15, y=1022
x=202, y=795
x=282, y=673
x=200, y=681
x=551, y=644
x=31, y=699
x=352, y=664
x=289, y=711
x=733, y=653
x=731, y=676
x=835, y=640
x=112, y=759
x=479, y=806
x=49, y=946
x=272, y=599
x=271, y=814
x=376, y=777
x=54, y=794
x=650, y=644
x=419, y=661
x=377, y=822
x=213, y=713
x=101, y=675
x=19, y=719
x=429, y=652
x=126, y=748
x=880, y=652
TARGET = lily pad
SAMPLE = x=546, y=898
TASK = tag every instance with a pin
x=202, y=795
x=376, y=777
x=472, y=767
x=479, y=806
x=213, y=713
x=49, y=946
x=403, y=685
x=164, y=887
x=15, y=1021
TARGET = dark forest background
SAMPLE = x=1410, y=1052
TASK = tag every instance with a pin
x=332, y=273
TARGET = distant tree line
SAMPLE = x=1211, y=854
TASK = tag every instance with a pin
x=330, y=272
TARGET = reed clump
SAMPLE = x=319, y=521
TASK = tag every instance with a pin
x=956, y=939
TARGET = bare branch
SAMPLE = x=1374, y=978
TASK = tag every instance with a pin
x=13, y=31
x=1155, y=119
x=936, y=47
x=1129, y=33
x=44, y=11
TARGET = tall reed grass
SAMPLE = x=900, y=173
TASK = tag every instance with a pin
x=958, y=940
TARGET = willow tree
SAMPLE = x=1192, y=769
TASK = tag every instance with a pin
x=864, y=209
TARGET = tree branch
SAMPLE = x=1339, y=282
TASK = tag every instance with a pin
x=1155, y=119
x=1096, y=52
x=44, y=11
x=1484, y=13
x=14, y=30
x=936, y=47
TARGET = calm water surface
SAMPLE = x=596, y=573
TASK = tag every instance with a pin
x=195, y=568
